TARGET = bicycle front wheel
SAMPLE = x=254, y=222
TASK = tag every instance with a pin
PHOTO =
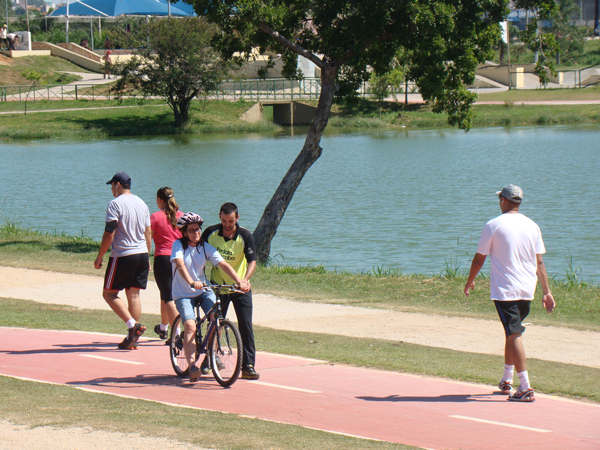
x=176, y=351
x=225, y=353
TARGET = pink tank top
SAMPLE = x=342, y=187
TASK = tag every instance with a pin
x=164, y=233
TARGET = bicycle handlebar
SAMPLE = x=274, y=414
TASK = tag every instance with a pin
x=230, y=287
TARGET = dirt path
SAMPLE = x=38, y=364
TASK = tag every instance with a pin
x=471, y=335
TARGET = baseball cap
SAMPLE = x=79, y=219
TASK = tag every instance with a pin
x=120, y=177
x=511, y=192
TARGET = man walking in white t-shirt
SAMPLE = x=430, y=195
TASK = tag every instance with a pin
x=514, y=243
x=127, y=232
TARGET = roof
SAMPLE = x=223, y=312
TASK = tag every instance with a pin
x=112, y=8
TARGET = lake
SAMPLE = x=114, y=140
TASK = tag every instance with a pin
x=412, y=200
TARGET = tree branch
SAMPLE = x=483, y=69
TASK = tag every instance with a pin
x=293, y=47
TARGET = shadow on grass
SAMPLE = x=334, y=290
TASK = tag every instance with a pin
x=65, y=247
x=160, y=123
x=362, y=107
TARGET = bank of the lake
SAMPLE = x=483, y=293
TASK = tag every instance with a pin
x=101, y=119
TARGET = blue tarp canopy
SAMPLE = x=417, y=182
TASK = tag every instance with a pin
x=112, y=8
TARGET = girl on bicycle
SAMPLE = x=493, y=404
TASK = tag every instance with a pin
x=164, y=232
x=189, y=257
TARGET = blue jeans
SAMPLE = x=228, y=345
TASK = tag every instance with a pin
x=185, y=306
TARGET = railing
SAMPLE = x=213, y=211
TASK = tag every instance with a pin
x=55, y=92
x=252, y=90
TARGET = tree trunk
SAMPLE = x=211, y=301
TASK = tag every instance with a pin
x=275, y=210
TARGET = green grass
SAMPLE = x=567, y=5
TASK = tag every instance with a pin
x=215, y=116
x=578, y=303
x=548, y=377
x=365, y=113
x=49, y=67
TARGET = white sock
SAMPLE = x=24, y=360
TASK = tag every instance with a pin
x=524, y=380
x=178, y=331
x=130, y=323
x=164, y=327
x=508, y=372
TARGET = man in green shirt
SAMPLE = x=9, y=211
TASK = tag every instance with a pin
x=236, y=246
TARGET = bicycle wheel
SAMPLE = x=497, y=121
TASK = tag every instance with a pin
x=225, y=353
x=176, y=352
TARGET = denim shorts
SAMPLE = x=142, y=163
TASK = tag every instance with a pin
x=185, y=306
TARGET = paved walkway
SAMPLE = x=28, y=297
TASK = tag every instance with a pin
x=366, y=403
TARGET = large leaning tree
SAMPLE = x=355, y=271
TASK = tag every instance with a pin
x=179, y=65
x=444, y=40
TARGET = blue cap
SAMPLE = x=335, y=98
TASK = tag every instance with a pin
x=120, y=177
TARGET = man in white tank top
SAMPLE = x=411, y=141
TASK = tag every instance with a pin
x=515, y=246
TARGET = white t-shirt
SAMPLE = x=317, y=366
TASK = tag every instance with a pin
x=194, y=260
x=132, y=216
x=512, y=241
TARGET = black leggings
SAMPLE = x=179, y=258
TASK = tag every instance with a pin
x=163, y=274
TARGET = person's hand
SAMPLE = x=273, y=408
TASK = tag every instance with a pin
x=245, y=286
x=548, y=302
x=468, y=288
x=198, y=284
x=98, y=262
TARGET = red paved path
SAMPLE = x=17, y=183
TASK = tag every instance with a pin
x=401, y=408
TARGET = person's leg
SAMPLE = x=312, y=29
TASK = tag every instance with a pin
x=242, y=304
x=514, y=353
x=116, y=304
x=189, y=344
x=135, y=305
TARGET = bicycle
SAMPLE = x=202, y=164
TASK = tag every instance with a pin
x=222, y=343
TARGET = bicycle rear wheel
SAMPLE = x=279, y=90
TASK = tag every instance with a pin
x=176, y=352
x=225, y=353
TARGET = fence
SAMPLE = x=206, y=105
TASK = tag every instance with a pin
x=252, y=90
x=55, y=92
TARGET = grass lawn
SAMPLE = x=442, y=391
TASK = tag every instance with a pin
x=13, y=70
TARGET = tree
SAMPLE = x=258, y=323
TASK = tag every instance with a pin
x=178, y=65
x=444, y=40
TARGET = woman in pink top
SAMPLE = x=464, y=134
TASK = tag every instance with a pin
x=164, y=233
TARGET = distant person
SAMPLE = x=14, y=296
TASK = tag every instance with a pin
x=4, y=37
x=84, y=43
x=236, y=246
x=514, y=243
x=189, y=257
x=127, y=232
x=164, y=232
x=107, y=44
x=13, y=41
x=107, y=63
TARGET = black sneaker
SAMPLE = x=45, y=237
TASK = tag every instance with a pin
x=131, y=340
x=205, y=366
x=194, y=374
x=161, y=333
x=250, y=374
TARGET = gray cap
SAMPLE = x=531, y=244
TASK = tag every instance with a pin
x=512, y=192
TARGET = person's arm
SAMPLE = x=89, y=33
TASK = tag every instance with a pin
x=476, y=266
x=250, y=271
x=180, y=267
x=225, y=267
x=148, y=235
x=105, y=244
x=547, y=298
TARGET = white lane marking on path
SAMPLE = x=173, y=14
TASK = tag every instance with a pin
x=289, y=388
x=136, y=363
x=502, y=424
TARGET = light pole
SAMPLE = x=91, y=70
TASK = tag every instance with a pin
x=67, y=21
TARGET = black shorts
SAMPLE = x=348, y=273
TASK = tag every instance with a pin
x=126, y=272
x=512, y=314
x=163, y=275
